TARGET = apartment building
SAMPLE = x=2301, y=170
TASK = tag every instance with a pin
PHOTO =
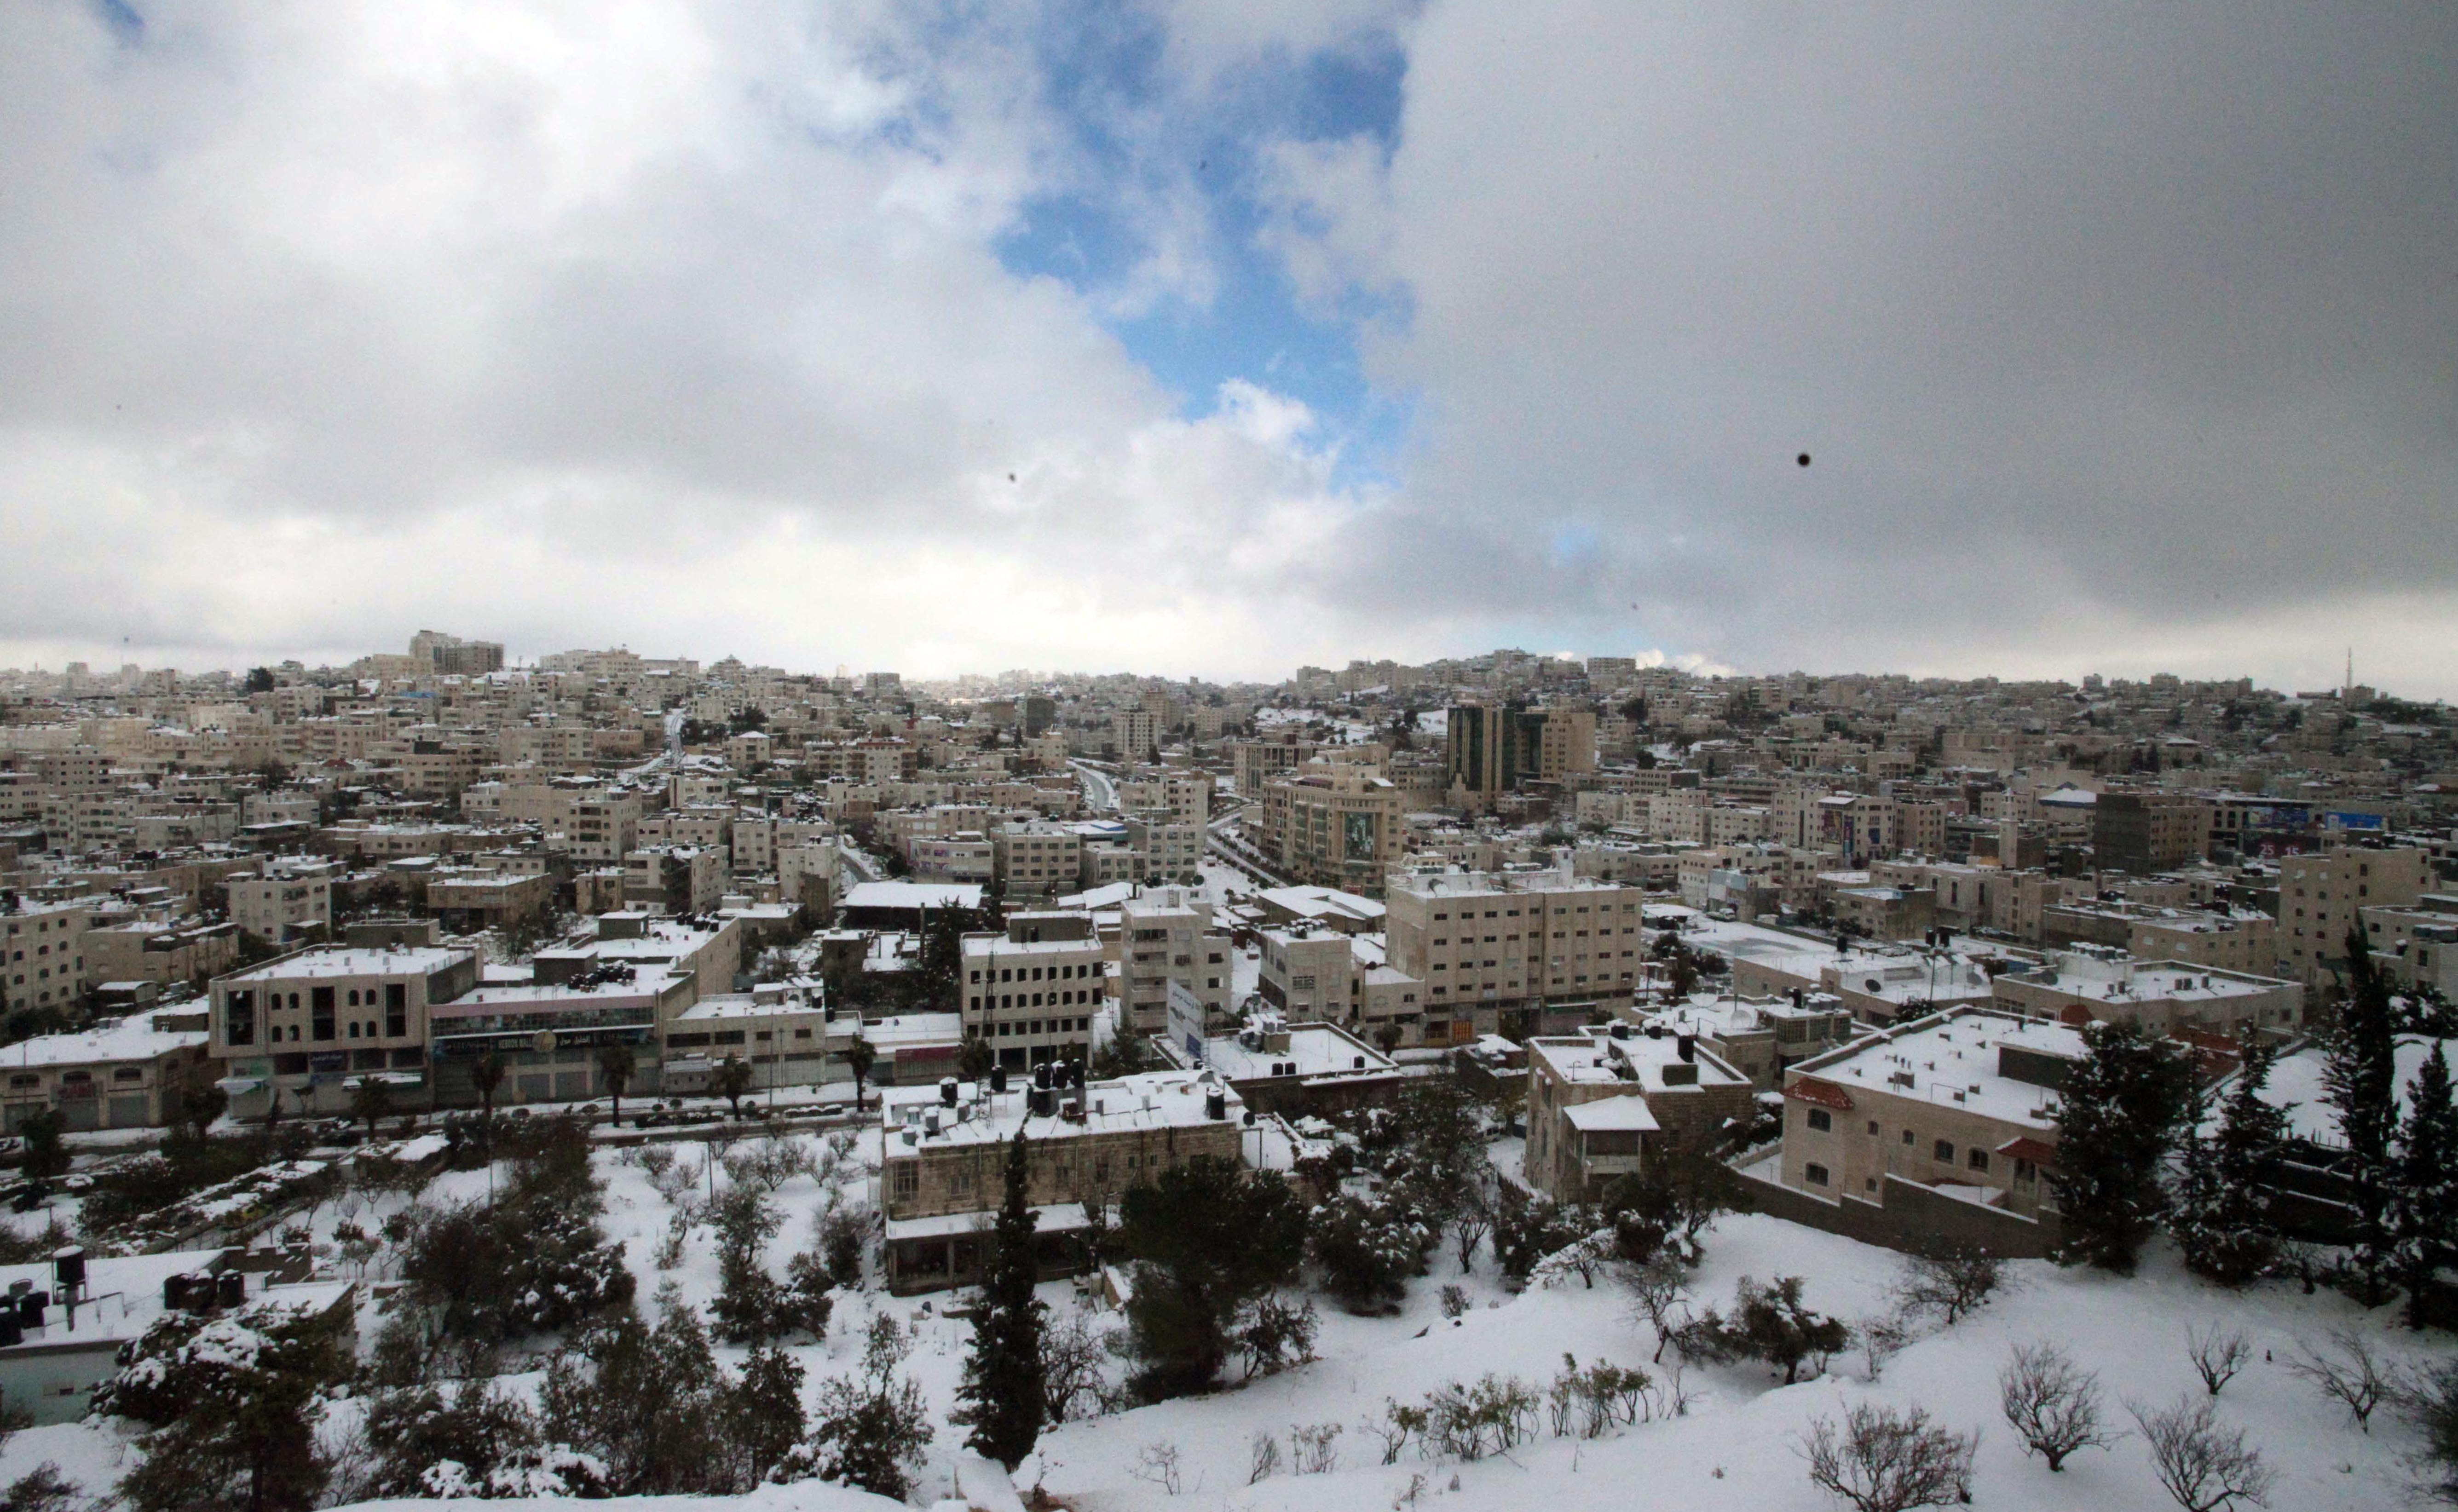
x=2323, y=896
x=189, y=950
x=1489, y=749
x=1253, y=763
x=1134, y=734
x=1963, y=1101
x=2417, y=945
x=1487, y=944
x=947, y=1153
x=1036, y=857
x=1164, y=936
x=287, y=897
x=1185, y=796
x=1607, y=1103
x=676, y=878
x=2146, y=831
x=306, y=1024
x=1170, y=848
x=1033, y=993
x=42, y=955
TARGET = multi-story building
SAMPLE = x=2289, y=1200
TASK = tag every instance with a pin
x=1033, y=993
x=1255, y=762
x=2163, y=996
x=2417, y=945
x=1164, y=937
x=306, y=1024
x=1488, y=749
x=947, y=1153
x=285, y=899
x=1501, y=948
x=1036, y=857
x=1331, y=824
x=1134, y=734
x=2145, y=831
x=2323, y=896
x=1962, y=1101
x=42, y=955
x=190, y=950
x=675, y=878
x=1606, y=1103
x=1171, y=848
x=1183, y=796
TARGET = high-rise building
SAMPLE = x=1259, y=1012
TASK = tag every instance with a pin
x=1490, y=749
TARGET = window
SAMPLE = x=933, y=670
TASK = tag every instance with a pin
x=1873, y=1129
x=1945, y=1150
x=906, y=1182
x=320, y=1012
x=1907, y=1136
x=1816, y=1173
x=1821, y=1120
x=1979, y=1160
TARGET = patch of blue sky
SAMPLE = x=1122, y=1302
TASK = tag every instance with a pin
x=1140, y=143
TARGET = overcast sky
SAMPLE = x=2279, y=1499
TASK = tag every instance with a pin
x=1217, y=338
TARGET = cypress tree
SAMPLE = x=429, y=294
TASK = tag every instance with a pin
x=1002, y=1388
x=2222, y=1214
x=2424, y=1205
x=2123, y=1102
x=2360, y=1080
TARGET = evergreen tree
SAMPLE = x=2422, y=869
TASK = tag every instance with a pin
x=2360, y=1080
x=2222, y=1214
x=2123, y=1102
x=1002, y=1390
x=2423, y=1203
x=1210, y=1238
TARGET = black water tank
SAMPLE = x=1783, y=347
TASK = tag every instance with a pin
x=1687, y=1046
x=68, y=1267
x=998, y=1078
x=11, y=1334
x=947, y=1092
x=1620, y=1030
x=1215, y=1105
x=175, y=1293
x=1041, y=1077
x=233, y=1288
x=29, y=1310
x=1044, y=1102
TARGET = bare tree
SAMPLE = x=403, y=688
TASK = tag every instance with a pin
x=1882, y=1337
x=2217, y=1355
x=1072, y=1355
x=2205, y=1467
x=2052, y=1403
x=1156, y=1463
x=1474, y=1219
x=1883, y=1460
x=2348, y=1373
x=1263, y=1457
x=1952, y=1285
x=1656, y=1289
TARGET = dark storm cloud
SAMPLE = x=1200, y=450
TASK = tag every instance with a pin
x=2110, y=327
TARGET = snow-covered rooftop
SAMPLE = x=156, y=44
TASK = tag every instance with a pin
x=134, y=1038
x=1952, y=1058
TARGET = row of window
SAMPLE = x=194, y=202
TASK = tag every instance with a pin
x=1941, y=1151
x=1069, y=973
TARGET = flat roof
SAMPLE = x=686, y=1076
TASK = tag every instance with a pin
x=913, y=895
x=1607, y=1113
x=1146, y=1100
x=1951, y=1059
x=347, y=960
x=130, y=1039
x=1316, y=1050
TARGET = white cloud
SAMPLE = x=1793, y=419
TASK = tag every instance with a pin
x=656, y=322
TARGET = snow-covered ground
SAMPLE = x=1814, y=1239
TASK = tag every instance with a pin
x=1732, y=1451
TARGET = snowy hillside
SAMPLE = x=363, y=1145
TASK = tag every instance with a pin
x=1734, y=1447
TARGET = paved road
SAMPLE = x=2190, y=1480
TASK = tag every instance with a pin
x=1099, y=792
